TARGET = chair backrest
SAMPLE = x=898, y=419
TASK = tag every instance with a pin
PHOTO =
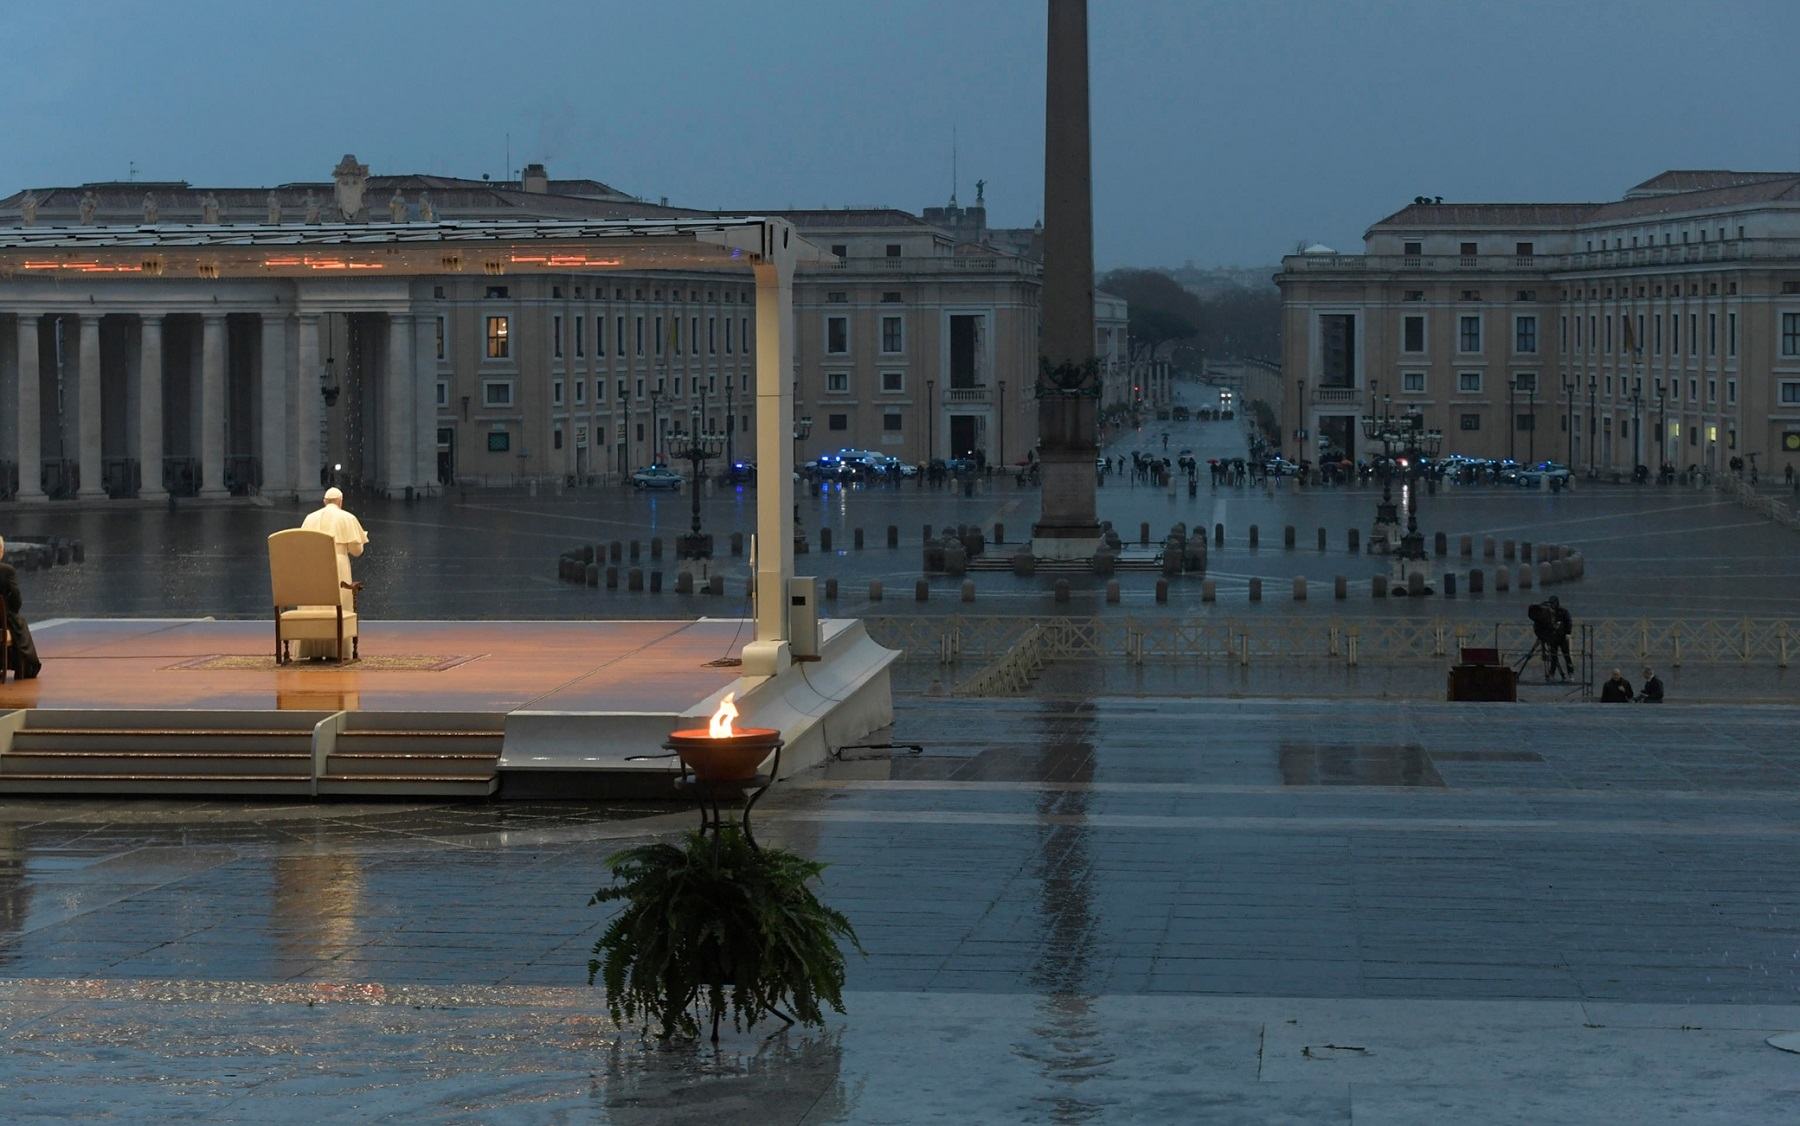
x=303, y=568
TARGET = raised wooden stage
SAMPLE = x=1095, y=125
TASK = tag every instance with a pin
x=513, y=709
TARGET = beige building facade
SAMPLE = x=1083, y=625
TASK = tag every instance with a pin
x=1662, y=328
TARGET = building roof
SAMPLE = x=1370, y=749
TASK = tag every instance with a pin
x=851, y=217
x=1489, y=215
x=1784, y=188
x=1696, y=180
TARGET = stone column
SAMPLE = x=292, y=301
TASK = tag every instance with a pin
x=150, y=406
x=1068, y=447
x=30, y=412
x=424, y=397
x=769, y=653
x=307, y=406
x=87, y=404
x=398, y=414
x=212, y=405
x=275, y=425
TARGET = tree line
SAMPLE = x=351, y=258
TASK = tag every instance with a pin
x=1170, y=322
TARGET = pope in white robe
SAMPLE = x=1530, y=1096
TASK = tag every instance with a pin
x=347, y=531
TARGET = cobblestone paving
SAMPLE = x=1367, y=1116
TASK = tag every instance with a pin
x=1076, y=909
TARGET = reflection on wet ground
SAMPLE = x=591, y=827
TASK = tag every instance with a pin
x=1348, y=764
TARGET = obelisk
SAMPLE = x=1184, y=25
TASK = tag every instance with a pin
x=1068, y=385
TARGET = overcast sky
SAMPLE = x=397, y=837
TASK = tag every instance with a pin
x=1224, y=133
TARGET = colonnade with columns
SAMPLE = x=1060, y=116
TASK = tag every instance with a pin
x=141, y=392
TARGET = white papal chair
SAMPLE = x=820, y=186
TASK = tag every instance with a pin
x=308, y=595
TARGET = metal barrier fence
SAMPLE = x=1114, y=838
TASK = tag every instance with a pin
x=1014, y=641
x=1776, y=510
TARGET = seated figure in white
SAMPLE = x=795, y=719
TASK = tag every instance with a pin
x=348, y=533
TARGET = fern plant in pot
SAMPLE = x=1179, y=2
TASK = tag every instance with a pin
x=717, y=923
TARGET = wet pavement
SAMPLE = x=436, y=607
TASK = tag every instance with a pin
x=1651, y=550
x=1076, y=909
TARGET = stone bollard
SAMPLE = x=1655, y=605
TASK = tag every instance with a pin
x=824, y=539
x=655, y=548
x=1112, y=591
x=1524, y=576
x=1340, y=588
x=894, y=535
x=1415, y=584
x=636, y=552
x=1449, y=584
x=1440, y=545
x=1475, y=582
x=956, y=560
x=922, y=591
x=715, y=586
x=874, y=590
x=588, y=553
x=1162, y=590
x=1321, y=539
x=77, y=551
x=634, y=579
x=1171, y=561
x=999, y=532
x=857, y=539
x=831, y=590
x=1487, y=547
x=1256, y=590
x=1218, y=535
x=1209, y=591
x=1545, y=576
x=684, y=583
x=1508, y=549
x=1144, y=534
x=615, y=552
x=62, y=554
x=1378, y=586
x=1525, y=551
x=1024, y=565
x=801, y=544
x=590, y=574
x=1502, y=580
x=1299, y=588
x=1559, y=571
x=1354, y=540
x=968, y=590
x=1253, y=535
x=612, y=578
x=1104, y=563
x=1465, y=545
x=1062, y=590
x=656, y=582
x=737, y=543
x=1287, y=537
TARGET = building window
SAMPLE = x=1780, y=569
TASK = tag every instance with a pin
x=694, y=335
x=837, y=382
x=1790, y=393
x=556, y=438
x=893, y=381
x=891, y=297
x=499, y=343
x=1412, y=381
x=1731, y=334
x=1731, y=392
x=1609, y=336
x=1468, y=382
x=1656, y=335
x=580, y=336
x=1562, y=330
x=893, y=250
x=443, y=392
x=837, y=422
x=1525, y=422
x=837, y=297
x=744, y=334
x=640, y=334
x=837, y=336
x=442, y=337
x=1693, y=334
x=1712, y=390
x=497, y=393
x=618, y=336
x=1412, y=249
x=581, y=391
x=728, y=324
x=497, y=292
x=890, y=422
x=1525, y=382
x=556, y=336
x=892, y=340
x=657, y=329
x=1712, y=334
x=1471, y=422
x=1415, y=295
x=499, y=441
x=1674, y=334
x=1468, y=336
x=712, y=336
x=1337, y=350
x=1522, y=250
x=1412, y=333
x=556, y=392
x=1525, y=334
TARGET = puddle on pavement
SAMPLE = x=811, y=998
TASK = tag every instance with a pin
x=1352, y=764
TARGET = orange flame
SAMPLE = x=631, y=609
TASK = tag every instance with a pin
x=720, y=727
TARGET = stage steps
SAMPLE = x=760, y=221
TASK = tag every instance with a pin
x=265, y=754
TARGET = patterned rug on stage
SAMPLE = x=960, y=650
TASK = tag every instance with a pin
x=382, y=662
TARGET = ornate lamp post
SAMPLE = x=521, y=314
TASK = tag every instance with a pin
x=1569, y=417
x=1404, y=438
x=1637, y=434
x=698, y=448
x=1593, y=422
x=1662, y=427
x=802, y=431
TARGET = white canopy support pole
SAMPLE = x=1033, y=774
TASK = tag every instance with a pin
x=770, y=653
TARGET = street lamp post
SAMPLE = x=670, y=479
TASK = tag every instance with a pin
x=1299, y=420
x=802, y=431
x=1531, y=412
x=1512, y=418
x=698, y=448
x=1406, y=438
x=655, y=416
x=1662, y=428
x=1002, y=416
x=930, y=424
x=1637, y=434
x=1569, y=417
x=730, y=426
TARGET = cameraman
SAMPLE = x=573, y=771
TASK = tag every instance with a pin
x=1551, y=624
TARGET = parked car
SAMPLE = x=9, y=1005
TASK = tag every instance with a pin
x=739, y=473
x=1541, y=474
x=656, y=477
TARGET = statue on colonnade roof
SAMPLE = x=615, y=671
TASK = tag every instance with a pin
x=352, y=181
